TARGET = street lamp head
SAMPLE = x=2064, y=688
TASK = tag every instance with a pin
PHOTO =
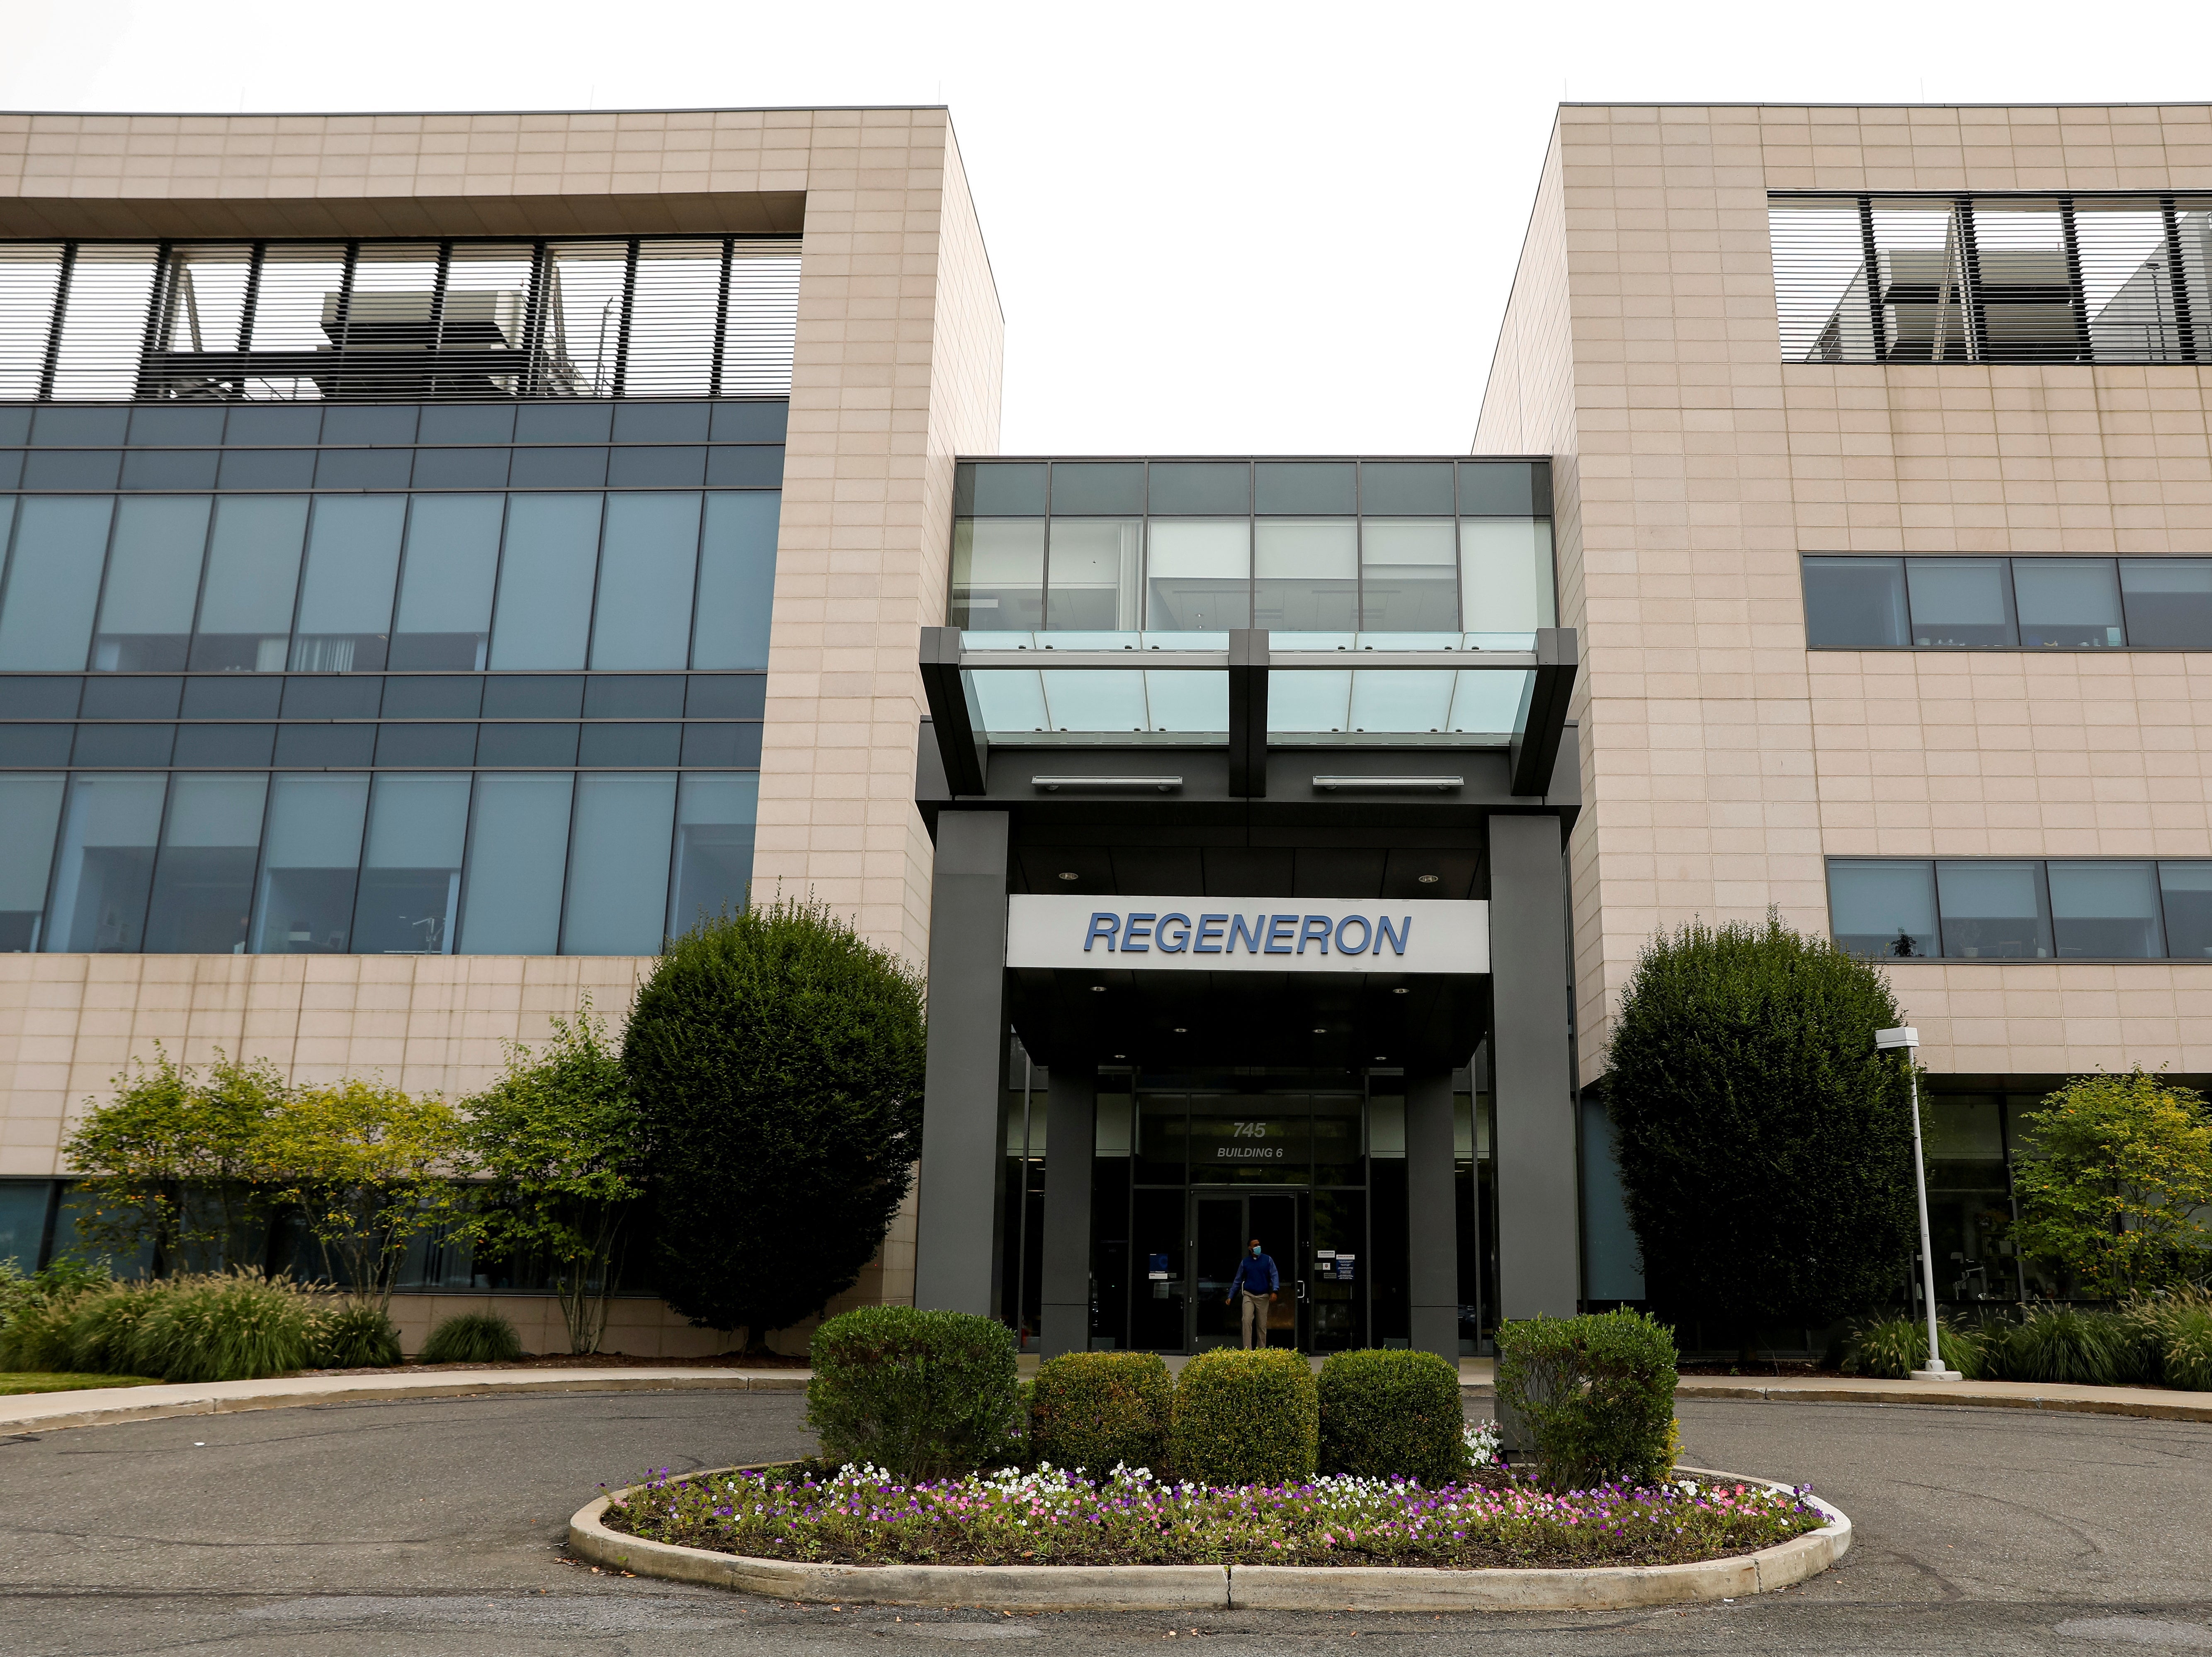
x=1903, y=1036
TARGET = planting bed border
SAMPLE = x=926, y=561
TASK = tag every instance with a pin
x=1222, y=1588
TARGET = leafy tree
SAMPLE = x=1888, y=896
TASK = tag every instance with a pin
x=561, y=1146
x=1765, y=1148
x=2118, y=1185
x=370, y=1170
x=175, y=1159
x=776, y=1057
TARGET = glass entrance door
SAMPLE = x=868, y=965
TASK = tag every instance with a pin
x=1222, y=1224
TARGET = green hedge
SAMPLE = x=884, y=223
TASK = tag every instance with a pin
x=922, y=1395
x=1100, y=1410
x=1392, y=1415
x=1595, y=1396
x=1245, y=1418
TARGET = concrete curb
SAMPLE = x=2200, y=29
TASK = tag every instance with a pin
x=1221, y=1588
x=32, y=1412
x=2143, y=1403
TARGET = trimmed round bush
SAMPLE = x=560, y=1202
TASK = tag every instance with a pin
x=237, y=1328
x=1245, y=1418
x=922, y=1395
x=1392, y=1415
x=471, y=1338
x=1593, y=1396
x=356, y=1336
x=1097, y=1411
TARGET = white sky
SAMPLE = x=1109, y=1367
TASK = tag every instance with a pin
x=1217, y=227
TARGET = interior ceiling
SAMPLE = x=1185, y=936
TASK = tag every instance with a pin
x=1245, y=871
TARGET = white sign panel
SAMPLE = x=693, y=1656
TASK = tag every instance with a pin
x=1261, y=934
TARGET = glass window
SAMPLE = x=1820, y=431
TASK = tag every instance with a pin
x=1401, y=700
x=2187, y=890
x=153, y=584
x=445, y=585
x=563, y=422
x=345, y=600
x=1504, y=489
x=1306, y=575
x=433, y=696
x=1095, y=574
x=1993, y=911
x=1505, y=574
x=252, y=577
x=618, y=864
x=1960, y=601
x=1405, y=488
x=534, y=696
x=224, y=747
x=204, y=884
x=517, y=848
x=467, y=422
x=648, y=562
x=1306, y=488
x=544, y=613
x=1407, y=584
x=228, y=698
x=169, y=469
x=266, y=469
x=1106, y=488
x=1855, y=604
x=1208, y=487
x=108, y=837
x=2106, y=911
x=53, y=583
x=1198, y=575
x=1882, y=909
x=312, y=861
x=30, y=808
x=2169, y=601
x=998, y=575
x=2070, y=603
x=737, y=580
x=43, y=698
x=410, y=875
x=998, y=491
x=713, y=848
x=755, y=420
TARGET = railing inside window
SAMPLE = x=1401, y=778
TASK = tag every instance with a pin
x=1873, y=279
x=394, y=321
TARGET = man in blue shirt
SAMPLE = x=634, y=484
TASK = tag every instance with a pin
x=1258, y=1279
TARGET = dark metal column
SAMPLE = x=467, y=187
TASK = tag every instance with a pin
x=1432, y=1225
x=1070, y=1132
x=1538, y=1228
x=954, y=1251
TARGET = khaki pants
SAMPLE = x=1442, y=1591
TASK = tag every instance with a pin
x=1256, y=1317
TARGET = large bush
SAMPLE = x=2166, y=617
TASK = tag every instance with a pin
x=2059, y=1345
x=1765, y=1148
x=231, y=1327
x=1891, y=1348
x=921, y=1394
x=1595, y=1396
x=1099, y=1411
x=1392, y=1415
x=358, y=1335
x=1245, y=1417
x=473, y=1337
x=776, y=1059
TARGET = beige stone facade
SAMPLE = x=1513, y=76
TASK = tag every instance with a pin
x=1722, y=761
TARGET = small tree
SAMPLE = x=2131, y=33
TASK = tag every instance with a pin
x=1765, y=1147
x=2117, y=1184
x=175, y=1159
x=370, y=1170
x=776, y=1059
x=560, y=1144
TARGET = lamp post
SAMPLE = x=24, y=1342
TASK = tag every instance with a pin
x=1907, y=1038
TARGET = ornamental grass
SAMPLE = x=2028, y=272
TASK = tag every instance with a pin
x=862, y=1516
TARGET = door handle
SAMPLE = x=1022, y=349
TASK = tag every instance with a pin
x=1302, y=1288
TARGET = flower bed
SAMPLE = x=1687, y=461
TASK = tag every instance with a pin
x=861, y=1515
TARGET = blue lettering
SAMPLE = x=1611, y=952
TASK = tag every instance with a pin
x=1103, y=926
x=1314, y=929
x=1250, y=934
x=1367, y=935
x=1394, y=937
x=1209, y=928
x=1140, y=926
x=1279, y=927
x=1179, y=940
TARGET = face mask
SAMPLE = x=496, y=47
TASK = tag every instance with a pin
x=1256, y=1248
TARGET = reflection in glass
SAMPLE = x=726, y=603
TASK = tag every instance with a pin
x=410, y=876
x=204, y=884
x=2169, y=602
x=1161, y=1151
x=2072, y=604
x=153, y=582
x=30, y=807
x=1960, y=601
x=1095, y=580
x=1407, y=584
x=648, y=562
x=1337, y=1151
x=1401, y=700
x=252, y=576
x=1505, y=578
x=2187, y=890
x=998, y=573
x=445, y=590
x=1306, y=575
x=1855, y=604
x=544, y=613
x=1487, y=704
x=618, y=864
x=308, y=875
x=1198, y=574
x=2105, y=911
x=1250, y=1139
x=1882, y=909
x=345, y=599
x=713, y=848
x=517, y=848
x=106, y=865
x=53, y=582
x=1993, y=910
x=736, y=578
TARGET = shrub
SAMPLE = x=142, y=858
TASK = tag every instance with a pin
x=358, y=1335
x=1097, y=1411
x=921, y=1394
x=35, y=1312
x=1891, y=1348
x=1595, y=1395
x=1245, y=1418
x=2188, y=1354
x=1392, y=1415
x=2170, y=1335
x=104, y=1325
x=236, y=1328
x=2059, y=1345
x=473, y=1338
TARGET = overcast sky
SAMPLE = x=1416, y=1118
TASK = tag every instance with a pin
x=1228, y=228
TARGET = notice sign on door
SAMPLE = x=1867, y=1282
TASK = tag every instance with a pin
x=1251, y=935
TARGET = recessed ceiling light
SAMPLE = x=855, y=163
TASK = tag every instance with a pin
x=1121, y=1055
x=1321, y=1029
x=1069, y=874
x=1181, y=1029
x=1097, y=989
x=1425, y=880
x=1382, y=1058
x=1400, y=990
